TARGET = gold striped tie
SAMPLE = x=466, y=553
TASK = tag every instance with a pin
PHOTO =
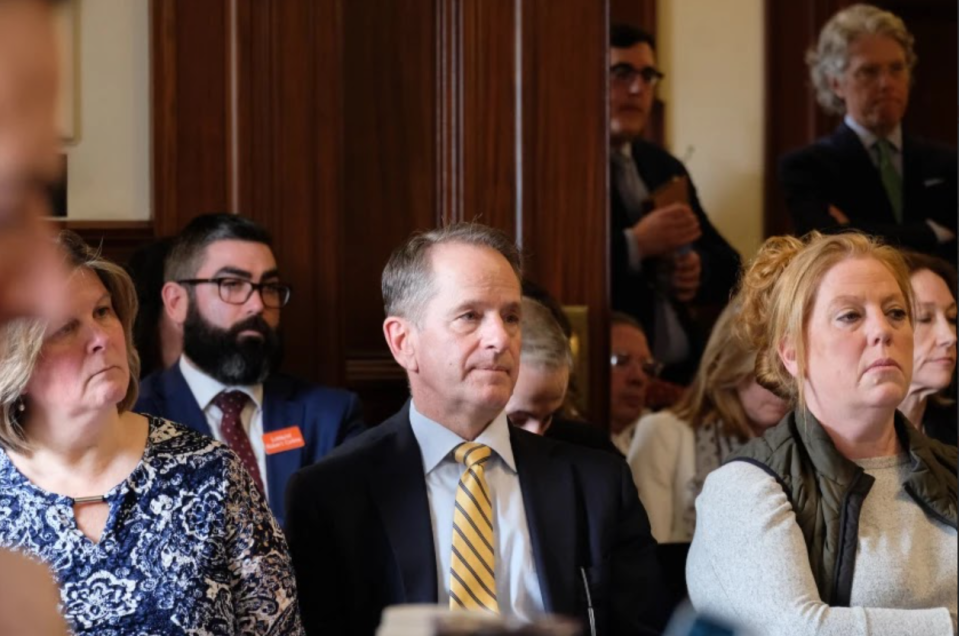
x=472, y=582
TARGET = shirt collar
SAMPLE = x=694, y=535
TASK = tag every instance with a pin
x=438, y=442
x=869, y=139
x=205, y=388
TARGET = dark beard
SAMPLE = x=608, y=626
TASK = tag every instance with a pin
x=223, y=355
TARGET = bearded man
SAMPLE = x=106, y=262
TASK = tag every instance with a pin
x=223, y=287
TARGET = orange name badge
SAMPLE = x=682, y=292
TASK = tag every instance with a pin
x=283, y=440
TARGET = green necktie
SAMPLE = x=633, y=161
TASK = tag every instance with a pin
x=891, y=180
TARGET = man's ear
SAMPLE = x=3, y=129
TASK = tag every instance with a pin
x=837, y=87
x=176, y=302
x=401, y=337
x=787, y=353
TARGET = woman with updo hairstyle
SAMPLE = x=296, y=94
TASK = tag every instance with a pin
x=934, y=357
x=148, y=526
x=842, y=518
x=673, y=450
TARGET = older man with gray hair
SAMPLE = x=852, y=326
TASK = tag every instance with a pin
x=445, y=502
x=868, y=174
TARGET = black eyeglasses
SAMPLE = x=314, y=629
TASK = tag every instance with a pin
x=650, y=366
x=627, y=74
x=237, y=291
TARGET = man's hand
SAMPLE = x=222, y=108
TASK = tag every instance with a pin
x=666, y=229
x=838, y=215
x=684, y=281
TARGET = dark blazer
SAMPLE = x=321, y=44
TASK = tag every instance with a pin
x=326, y=418
x=634, y=293
x=837, y=170
x=359, y=530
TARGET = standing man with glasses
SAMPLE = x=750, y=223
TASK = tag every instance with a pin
x=224, y=288
x=868, y=174
x=666, y=256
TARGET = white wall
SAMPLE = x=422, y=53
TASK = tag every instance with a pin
x=109, y=166
x=712, y=54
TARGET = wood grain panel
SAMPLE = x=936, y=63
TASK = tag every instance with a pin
x=492, y=88
x=191, y=121
x=389, y=153
x=117, y=240
x=564, y=230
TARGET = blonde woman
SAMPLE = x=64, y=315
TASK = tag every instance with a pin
x=842, y=518
x=673, y=450
x=148, y=526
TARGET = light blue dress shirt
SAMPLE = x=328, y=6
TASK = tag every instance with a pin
x=517, y=585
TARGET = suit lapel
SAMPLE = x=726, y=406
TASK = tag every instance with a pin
x=398, y=487
x=550, y=501
x=860, y=171
x=279, y=413
x=180, y=403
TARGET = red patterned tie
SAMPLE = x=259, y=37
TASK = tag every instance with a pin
x=231, y=428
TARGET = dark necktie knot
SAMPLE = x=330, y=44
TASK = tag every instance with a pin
x=231, y=401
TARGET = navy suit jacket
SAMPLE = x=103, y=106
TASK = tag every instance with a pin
x=633, y=293
x=837, y=170
x=326, y=418
x=359, y=530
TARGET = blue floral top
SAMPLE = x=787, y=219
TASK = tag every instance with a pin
x=189, y=547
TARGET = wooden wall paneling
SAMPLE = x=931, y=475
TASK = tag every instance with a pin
x=564, y=229
x=191, y=122
x=117, y=240
x=389, y=163
x=492, y=84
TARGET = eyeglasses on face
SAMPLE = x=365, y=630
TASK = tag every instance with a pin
x=236, y=291
x=627, y=74
x=650, y=366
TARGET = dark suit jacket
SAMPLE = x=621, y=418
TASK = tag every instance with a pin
x=837, y=170
x=358, y=525
x=326, y=418
x=634, y=293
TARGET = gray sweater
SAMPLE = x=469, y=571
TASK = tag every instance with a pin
x=748, y=560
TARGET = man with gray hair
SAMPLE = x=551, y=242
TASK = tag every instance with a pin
x=445, y=502
x=868, y=175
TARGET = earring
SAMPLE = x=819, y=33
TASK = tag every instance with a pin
x=21, y=407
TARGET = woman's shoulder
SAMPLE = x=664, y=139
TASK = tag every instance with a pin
x=173, y=443
x=664, y=423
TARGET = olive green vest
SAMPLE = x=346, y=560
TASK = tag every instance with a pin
x=827, y=490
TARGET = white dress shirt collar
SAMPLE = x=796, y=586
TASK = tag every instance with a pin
x=438, y=442
x=869, y=138
x=205, y=388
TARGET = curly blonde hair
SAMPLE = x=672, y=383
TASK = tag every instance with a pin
x=778, y=292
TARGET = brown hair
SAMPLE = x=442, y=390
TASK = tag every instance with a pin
x=21, y=340
x=713, y=396
x=778, y=291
